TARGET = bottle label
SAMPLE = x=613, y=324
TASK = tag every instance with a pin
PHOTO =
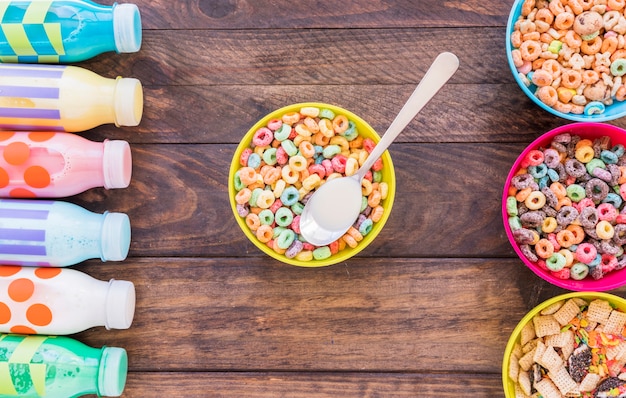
x=25, y=32
x=30, y=374
x=25, y=245
x=26, y=105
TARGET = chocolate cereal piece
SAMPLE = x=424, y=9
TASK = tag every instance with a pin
x=596, y=189
x=607, y=385
x=575, y=168
x=578, y=362
x=566, y=215
x=589, y=217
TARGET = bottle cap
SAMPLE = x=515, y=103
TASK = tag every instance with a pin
x=112, y=372
x=127, y=28
x=115, y=237
x=120, y=304
x=117, y=164
x=128, y=101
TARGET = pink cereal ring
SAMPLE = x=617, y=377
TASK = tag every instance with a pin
x=295, y=224
x=263, y=137
x=274, y=124
x=378, y=164
x=328, y=166
x=534, y=158
x=608, y=262
x=622, y=191
x=245, y=154
x=368, y=145
x=620, y=219
x=555, y=243
x=307, y=246
x=607, y=211
x=281, y=156
x=562, y=274
x=276, y=205
x=339, y=163
x=586, y=253
x=317, y=169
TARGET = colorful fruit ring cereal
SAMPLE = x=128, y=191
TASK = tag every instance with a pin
x=308, y=144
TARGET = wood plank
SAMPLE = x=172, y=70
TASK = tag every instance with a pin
x=373, y=315
x=229, y=14
x=313, y=385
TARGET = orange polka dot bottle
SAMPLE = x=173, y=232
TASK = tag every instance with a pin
x=59, y=367
x=61, y=301
x=54, y=165
x=59, y=234
x=65, y=98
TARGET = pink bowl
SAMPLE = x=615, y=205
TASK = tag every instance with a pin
x=611, y=280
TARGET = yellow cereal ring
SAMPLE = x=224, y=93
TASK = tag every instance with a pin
x=549, y=224
x=298, y=163
x=584, y=154
x=304, y=255
x=289, y=175
x=535, y=200
x=605, y=230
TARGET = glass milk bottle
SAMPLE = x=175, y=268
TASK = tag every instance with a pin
x=65, y=98
x=66, y=31
x=54, y=165
x=59, y=234
x=61, y=301
x=59, y=367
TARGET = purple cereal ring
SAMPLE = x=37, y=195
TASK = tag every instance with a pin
x=596, y=189
x=621, y=262
x=551, y=199
x=263, y=137
x=589, y=217
x=591, y=232
x=608, y=247
x=619, y=237
x=551, y=157
x=557, y=146
x=293, y=249
x=242, y=210
x=522, y=181
x=532, y=219
x=602, y=174
x=615, y=173
x=549, y=211
x=560, y=169
x=563, y=138
x=566, y=215
x=575, y=168
x=528, y=253
x=523, y=236
x=596, y=272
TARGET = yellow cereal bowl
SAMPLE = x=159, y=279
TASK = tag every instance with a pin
x=508, y=384
x=387, y=176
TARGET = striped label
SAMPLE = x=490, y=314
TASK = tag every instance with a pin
x=30, y=97
x=22, y=231
x=22, y=355
x=24, y=32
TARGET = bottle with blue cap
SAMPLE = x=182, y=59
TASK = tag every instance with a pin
x=66, y=31
x=59, y=367
x=57, y=233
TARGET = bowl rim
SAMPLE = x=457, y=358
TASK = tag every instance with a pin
x=620, y=302
x=583, y=129
x=344, y=254
x=603, y=117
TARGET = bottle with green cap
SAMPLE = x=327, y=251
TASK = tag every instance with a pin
x=66, y=31
x=59, y=367
x=57, y=233
x=65, y=98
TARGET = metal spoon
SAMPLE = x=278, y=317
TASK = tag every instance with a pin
x=335, y=205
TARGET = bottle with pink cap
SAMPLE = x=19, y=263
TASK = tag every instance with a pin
x=54, y=165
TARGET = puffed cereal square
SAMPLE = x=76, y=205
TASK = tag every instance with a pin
x=546, y=325
x=514, y=367
x=547, y=389
x=599, y=311
x=527, y=334
x=589, y=382
x=526, y=362
x=551, y=360
x=524, y=383
x=567, y=312
x=617, y=352
x=563, y=381
x=616, y=322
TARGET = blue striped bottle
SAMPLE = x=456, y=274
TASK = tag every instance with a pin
x=59, y=234
x=65, y=31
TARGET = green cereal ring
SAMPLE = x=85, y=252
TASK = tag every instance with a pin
x=556, y=262
x=285, y=239
x=321, y=253
x=593, y=163
x=579, y=271
x=269, y=156
x=618, y=67
x=511, y=206
x=277, y=231
x=283, y=132
x=377, y=176
x=331, y=150
x=254, y=197
x=575, y=192
x=351, y=132
x=297, y=208
x=266, y=217
x=363, y=204
x=515, y=223
x=283, y=217
x=326, y=114
x=237, y=182
x=289, y=147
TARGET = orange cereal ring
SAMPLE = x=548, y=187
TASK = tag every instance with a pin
x=620, y=94
x=522, y=194
x=616, y=4
x=553, y=67
x=353, y=232
x=321, y=139
x=247, y=175
x=590, y=76
x=530, y=50
x=516, y=39
x=548, y=95
x=303, y=130
x=538, y=63
x=579, y=233
x=572, y=39
x=356, y=143
x=544, y=15
x=542, y=78
x=576, y=6
x=591, y=47
x=563, y=202
x=374, y=198
x=544, y=248
x=253, y=221
x=311, y=124
x=271, y=176
x=558, y=189
x=535, y=36
x=609, y=44
x=517, y=58
x=264, y=233
x=340, y=124
x=565, y=238
x=291, y=118
x=306, y=149
x=556, y=7
x=621, y=53
x=564, y=20
x=243, y=196
x=571, y=78
x=527, y=7
x=562, y=107
x=350, y=241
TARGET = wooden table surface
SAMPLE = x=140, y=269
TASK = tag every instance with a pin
x=426, y=310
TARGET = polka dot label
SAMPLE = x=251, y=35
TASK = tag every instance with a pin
x=28, y=163
x=21, y=308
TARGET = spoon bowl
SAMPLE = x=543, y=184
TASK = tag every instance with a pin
x=332, y=209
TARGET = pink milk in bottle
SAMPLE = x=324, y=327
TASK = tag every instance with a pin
x=58, y=164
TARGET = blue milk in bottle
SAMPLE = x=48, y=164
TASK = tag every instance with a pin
x=65, y=31
x=59, y=234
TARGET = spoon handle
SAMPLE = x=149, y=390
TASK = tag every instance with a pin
x=441, y=70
